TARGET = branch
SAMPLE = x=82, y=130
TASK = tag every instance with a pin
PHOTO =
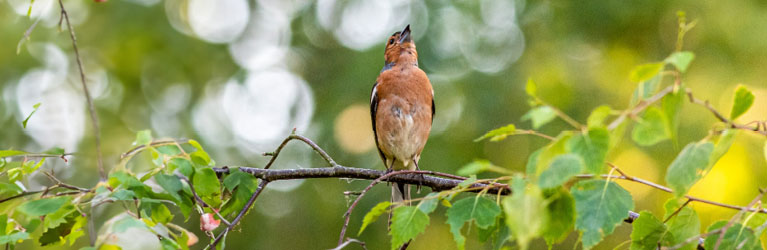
x=91, y=108
x=200, y=201
x=349, y=241
x=721, y=117
x=643, y=104
x=668, y=190
x=294, y=136
x=348, y=213
x=422, y=178
x=737, y=217
x=437, y=181
x=156, y=143
x=239, y=216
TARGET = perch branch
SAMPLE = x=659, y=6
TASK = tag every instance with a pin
x=435, y=183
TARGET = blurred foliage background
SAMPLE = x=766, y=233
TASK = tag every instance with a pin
x=239, y=75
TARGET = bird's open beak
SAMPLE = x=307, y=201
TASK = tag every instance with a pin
x=405, y=35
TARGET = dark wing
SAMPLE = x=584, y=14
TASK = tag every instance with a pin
x=432, y=110
x=373, y=110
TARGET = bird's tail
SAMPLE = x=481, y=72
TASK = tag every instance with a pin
x=399, y=192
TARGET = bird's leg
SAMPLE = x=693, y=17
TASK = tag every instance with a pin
x=389, y=168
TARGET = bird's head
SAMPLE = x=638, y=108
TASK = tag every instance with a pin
x=400, y=48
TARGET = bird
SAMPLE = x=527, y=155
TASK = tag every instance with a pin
x=401, y=109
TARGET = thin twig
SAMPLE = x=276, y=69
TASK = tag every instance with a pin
x=26, y=35
x=349, y=241
x=22, y=194
x=91, y=107
x=677, y=211
x=239, y=216
x=721, y=117
x=668, y=190
x=348, y=213
x=294, y=136
x=641, y=106
x=566, y=118
x=58, y=183
x=737, y=217
x=156, y=143
x=535, y=133
x=199, y=200
x=695, y=238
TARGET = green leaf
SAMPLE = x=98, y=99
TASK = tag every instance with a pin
x=647, y=232
x=171, y=184
x=181, y=165
x=645, y=72
x=207, y=186
x=200, y=157
x=561, y=206
x=600, y=206
x=14, y=238
x=689, y=166
x=182, y=241
x=481, y=210
x=598, y=116
x=651, y=128
x=143, y=137
x=125, y=223
x=239, y=178
x=123, y=195
x=14, y=174
x=6, y=153
x=560, y=170
x=526, y=213
x=30, y=166
x=69, y=231
x=684, y=225
x=742, y=101
x=544, y=156
x=681, y=60
x=60, y=216
x=168, y=244
x=237, y=201
x=532, y=162
x=475, y=167
x=531, y=88
x=373, y=215
x=406, y=223
x=158, y=212
x=540, y=116
x=24, y=123
x=722, y=145
x=42, y=207
x=646, y=89
x=736, y=237
x=429, y=203
x=498, y=134
x=592, y=147
x=672, y=105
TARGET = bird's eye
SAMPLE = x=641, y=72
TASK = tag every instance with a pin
x=391, y=41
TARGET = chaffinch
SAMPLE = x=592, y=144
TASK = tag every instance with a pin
x=401, y=108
